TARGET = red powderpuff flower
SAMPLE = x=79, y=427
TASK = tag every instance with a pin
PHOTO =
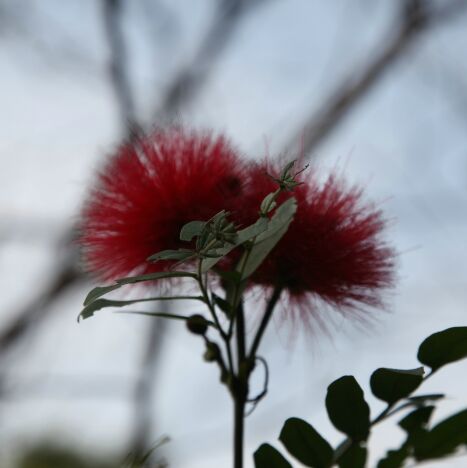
x=332, y=251
x=148, y=190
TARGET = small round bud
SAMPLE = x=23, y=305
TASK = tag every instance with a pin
x=197, y=324
x=212, y=352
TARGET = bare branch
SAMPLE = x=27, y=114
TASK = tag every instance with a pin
x=118, y=64
x=417, y=17
x=191, y=78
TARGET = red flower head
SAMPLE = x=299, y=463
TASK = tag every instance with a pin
x=148, y=191
x=333, y=249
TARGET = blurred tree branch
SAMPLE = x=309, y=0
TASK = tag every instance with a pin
x=417, y=17
x=191, y=78
x=229, y=13
x=118, y=64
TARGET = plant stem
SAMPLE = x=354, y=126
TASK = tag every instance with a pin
x=276, y=294
x=240, y=335
x=214, y=315
x=239, y=410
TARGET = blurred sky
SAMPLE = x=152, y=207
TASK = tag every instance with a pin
x=405, y=141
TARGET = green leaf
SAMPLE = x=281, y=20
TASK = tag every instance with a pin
x=287, y=168
x=208, y=263
x=268, y=457
x=252, y=231
x=98, y=304
x=444, y=439
x=103, y=290
x=268, y=204
x=243, y=235
x=98, y=292
x=266, y=241
x=394, y=458
x=282, y=217
x=155, y=276
x=417, y=419
x=191, y=229
x=354, y=457
x=347, y=408
x=391, y=385
x=180, y=254
x=443, y=347
x=303, y=442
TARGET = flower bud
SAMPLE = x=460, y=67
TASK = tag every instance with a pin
x=212, y=352
x=197, y=324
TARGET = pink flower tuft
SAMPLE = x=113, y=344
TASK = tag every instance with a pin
x=148, y=191
x=333, y=250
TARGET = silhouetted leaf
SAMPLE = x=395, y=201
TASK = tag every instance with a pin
x=414, y=424
x=354, y=457
x=305, y=443
x=394, y=458
x=391, y=385
x=444, y=439
x=221, y=303
x=417, y=419
x=443, y=347
x=268, y=457
x=347, y=408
